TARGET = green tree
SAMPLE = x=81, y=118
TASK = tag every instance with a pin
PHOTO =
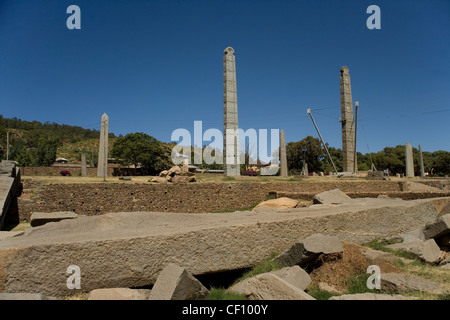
x=441, y=162
x=315, y=154
x=336, y=155
x=19, y=152
x=141, y=150
x=164, y=157
x=392, y=159
x=46, y=151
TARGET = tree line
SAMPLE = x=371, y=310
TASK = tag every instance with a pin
x=390, y=158
x=35, y=143
x=144, y=150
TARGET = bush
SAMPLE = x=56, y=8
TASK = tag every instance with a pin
x=65, y=172
x=250, y=173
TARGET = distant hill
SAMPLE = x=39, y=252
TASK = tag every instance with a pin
x=37, y=143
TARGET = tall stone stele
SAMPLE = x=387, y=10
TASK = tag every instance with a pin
x=83, y=165
x=347, y=120
x=230, y=116
x=283, y=157
x=409, y=161
x=102, y=168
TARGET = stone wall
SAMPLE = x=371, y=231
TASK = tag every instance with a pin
x=442, y=184
x=98, y=198
x=55, y=171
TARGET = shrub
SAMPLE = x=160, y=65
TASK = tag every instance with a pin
x=250, y=173
x=65, y=172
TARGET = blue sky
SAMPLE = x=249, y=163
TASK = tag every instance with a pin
x=155, y=66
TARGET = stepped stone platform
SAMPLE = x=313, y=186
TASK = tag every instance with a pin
x=129, y=249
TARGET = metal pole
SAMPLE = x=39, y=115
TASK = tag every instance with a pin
x=355, y=165
x=422, y=170
x=7, y=145
x=317, y=129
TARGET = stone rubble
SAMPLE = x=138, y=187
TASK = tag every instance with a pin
x=175, y=175
x=177, y=283
x=335, y=196
x=174, y=282
x=119, y=294
x=268, y=286
x=309, y=249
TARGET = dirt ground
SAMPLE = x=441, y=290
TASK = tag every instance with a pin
x=336, y=270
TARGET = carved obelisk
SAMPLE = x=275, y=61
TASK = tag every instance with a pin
x=102, y=167
x=230, y=116
x=83, y=165
x=409, y=161
x=347, y=120
x=283, y=158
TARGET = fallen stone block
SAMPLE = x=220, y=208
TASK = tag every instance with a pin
x=183, y=179
x=427, y=250
x=176, y=283
x=309, y=249
x=375, y=257
x=173, y=171
x=163, y=173
x=24, y=296
x=400, y=283
x=160, y=179
x=439, y=228
x=119, y=294
x=295, y=276
x=410, y=236
x=445, y=210
x=10, y=234
x=371, y=296
x=281, y=203
x=268, y=286
x=335, y=196
x=41, y=218
x=129, y=249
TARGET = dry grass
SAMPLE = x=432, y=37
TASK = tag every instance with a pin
x=427, y=272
